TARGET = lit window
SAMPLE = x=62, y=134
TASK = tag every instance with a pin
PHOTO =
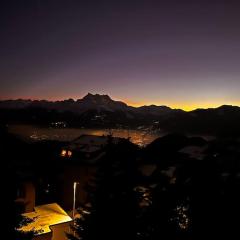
x=63, y=153
x=69, y=153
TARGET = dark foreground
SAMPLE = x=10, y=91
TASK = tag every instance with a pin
x=174, y=188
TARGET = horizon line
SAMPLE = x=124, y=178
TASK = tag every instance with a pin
x=186, y=108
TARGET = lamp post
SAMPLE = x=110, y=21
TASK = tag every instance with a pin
x=74, y=199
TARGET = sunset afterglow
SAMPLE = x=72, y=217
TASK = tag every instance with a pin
x=182, y=55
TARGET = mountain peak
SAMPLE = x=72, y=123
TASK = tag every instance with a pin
x=101, y=101
x=96, y=96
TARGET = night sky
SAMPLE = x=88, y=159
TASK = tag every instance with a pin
x=178, y=53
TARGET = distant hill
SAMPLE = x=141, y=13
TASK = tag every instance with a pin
x=95, y=110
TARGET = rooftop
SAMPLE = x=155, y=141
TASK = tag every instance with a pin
x=44, y=217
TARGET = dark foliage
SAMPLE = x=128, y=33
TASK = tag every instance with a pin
x=113, y=201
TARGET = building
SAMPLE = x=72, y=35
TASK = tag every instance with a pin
x=80, y=159
x=87, y=148
x=25, y=196
x=50, y=222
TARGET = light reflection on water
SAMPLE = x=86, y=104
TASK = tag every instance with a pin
x=35, y=133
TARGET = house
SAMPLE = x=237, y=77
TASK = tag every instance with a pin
x=25, y=196
x=50, y=222
x=88, y=148
x=80, y=159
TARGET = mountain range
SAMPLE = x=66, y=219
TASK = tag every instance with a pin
x=88, y=102
x=95, y=110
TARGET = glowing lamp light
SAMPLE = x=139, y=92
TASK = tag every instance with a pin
x=69, y=153
x=66, y=153
x=63, y=153
x=74, y=199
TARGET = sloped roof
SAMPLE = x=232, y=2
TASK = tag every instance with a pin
x=44, y=217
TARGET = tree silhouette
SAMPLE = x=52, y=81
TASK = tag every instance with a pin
x=113, y=200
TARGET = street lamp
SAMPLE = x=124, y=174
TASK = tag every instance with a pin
x=74, y=199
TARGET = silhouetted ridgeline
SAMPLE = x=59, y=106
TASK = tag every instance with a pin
x=101, y=111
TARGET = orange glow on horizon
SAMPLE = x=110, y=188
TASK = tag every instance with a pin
x=184, y=105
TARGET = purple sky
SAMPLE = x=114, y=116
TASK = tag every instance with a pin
x=178, y=53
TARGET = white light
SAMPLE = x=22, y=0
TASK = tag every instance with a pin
x=74, y=199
